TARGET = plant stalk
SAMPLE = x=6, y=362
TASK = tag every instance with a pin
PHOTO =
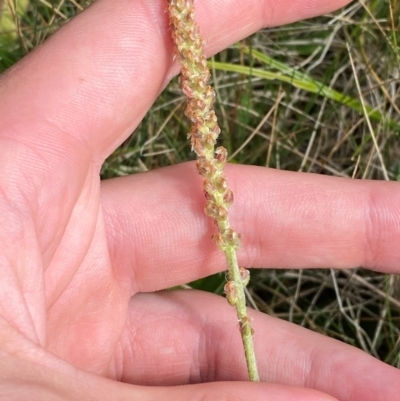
x=210, y=161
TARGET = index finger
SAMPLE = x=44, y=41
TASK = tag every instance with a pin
x=91, y=83
x=289, y=220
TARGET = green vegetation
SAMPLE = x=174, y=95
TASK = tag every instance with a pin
x=320, y=96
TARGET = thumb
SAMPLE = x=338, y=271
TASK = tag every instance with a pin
x=232, y=391
x=28, y=372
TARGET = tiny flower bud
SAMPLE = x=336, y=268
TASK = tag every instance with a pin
x=231, y=293
x=211, y=209
x=221, y=154
x=228, y=197
x=244, y=325
x=232, y=238
x=208, y=186
x=206, y=169
x=222, y=213
x=220, y=184
x=218, y=241
x=188, y=90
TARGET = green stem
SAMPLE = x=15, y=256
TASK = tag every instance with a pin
x=244, y=322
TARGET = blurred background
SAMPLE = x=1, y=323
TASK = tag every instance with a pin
x=320, y=96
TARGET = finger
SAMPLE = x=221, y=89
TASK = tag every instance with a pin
x=289, y=220
x=243, y=391
x=39, y=375
x=179, y=337
x=89, y=85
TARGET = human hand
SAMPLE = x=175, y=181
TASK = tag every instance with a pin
x=79, y=258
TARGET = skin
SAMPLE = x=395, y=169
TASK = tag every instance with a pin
x=80, y=259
